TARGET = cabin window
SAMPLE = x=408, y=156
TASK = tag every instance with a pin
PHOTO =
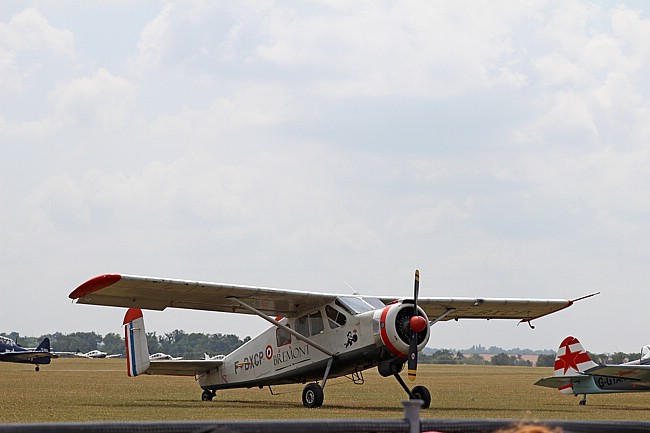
x=316, y=322
x=310, y=324
x=283, y=337
x=334, y=317
x=302, y=326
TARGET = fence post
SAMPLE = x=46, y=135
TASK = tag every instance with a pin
x=412, y=414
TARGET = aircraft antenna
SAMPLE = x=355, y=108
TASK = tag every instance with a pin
x=354, y=292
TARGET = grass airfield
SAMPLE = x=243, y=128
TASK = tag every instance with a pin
x=79, y=390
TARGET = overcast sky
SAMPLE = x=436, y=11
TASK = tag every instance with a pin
x=503, y=148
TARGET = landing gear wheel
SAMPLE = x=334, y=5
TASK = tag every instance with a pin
x=37, y=368
x=422, y=393
x=312, y=395
x=207, y=395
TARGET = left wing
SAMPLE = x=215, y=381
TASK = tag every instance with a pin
x=158, y=293
x=633, y=372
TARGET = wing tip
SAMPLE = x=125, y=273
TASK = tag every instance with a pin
x=94, y=284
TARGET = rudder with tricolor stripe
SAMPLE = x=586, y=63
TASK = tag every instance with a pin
x=137, y=352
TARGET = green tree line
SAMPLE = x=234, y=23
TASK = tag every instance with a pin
x=176, y=343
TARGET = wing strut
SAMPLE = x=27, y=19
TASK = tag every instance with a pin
x=442, y=316
x=281, y=326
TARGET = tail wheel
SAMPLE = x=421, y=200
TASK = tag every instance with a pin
x=422, y=393
x=312, y=395
x=207, y=395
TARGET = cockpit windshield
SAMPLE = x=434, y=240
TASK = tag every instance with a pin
x=7, y=341
x=355, y=305
x=645, y=353
x=376, y=303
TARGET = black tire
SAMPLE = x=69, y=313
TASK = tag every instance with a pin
x=422, y=393
x=207, y=395
x=312, y=395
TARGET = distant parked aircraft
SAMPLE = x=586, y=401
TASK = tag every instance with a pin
x=161, y=355
x=12, y=352
x=576, y=373
x=91, y=354
x=98, y=354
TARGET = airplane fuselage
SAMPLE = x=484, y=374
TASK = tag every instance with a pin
x=607, y=385
x=275, y=357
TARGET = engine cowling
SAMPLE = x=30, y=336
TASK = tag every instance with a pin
x=395, y=328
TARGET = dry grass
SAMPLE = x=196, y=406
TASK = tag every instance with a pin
x=73, y=390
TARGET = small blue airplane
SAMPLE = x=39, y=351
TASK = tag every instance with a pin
x=12, y=352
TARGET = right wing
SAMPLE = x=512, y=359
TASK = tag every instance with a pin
x=489, y=308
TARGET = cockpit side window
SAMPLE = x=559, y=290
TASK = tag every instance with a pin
x=334, y=317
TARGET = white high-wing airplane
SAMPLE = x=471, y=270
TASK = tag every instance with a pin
x=96, y=354
x=315, y=336
x=161, y=355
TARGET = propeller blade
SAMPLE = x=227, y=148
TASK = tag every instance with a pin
x=413, y=347
x=416, y=291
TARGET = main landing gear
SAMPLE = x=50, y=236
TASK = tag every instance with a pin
x=389, y=368
x=312, y=395
x=417, y=393
x=583, y=402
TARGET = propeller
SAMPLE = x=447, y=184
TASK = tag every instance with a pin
x=417, y=324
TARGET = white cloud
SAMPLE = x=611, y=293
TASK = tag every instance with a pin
x=23, y=38
x=103, y=101
x=29, y=30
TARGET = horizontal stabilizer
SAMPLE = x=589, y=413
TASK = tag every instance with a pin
x=183, y=367
x=560, y=381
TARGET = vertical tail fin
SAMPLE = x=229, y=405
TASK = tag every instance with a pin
x=45, y=345
x=571, y=360
x=137, y=352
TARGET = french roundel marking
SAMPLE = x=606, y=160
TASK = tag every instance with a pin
x=269, y=352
